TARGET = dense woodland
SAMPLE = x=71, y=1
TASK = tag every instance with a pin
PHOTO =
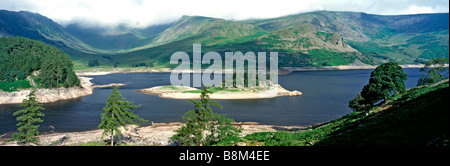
x=44, y=65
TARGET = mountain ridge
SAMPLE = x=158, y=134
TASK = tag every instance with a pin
x=320, y=38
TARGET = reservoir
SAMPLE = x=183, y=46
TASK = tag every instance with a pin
x=325, y=97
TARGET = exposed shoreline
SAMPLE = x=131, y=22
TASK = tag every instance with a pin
x=156, y=134
x=54, y=94
x=282, y=70
x=248, y=93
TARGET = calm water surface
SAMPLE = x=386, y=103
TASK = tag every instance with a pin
x=325, y=97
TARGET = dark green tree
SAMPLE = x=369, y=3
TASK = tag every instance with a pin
x=204, y=127
x=434, y=71
x=118, y=113
x=385, y=81
x=27, y=118
x=14, y=75
x=356, y=103
x=93, y=63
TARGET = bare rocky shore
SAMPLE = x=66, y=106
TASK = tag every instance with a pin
x=179, y=92
x=157, y=134
x=53, y=94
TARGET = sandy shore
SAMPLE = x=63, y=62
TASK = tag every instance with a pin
x=156, y=134
x=247, y=93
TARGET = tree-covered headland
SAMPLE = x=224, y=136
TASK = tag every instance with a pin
x=25, y=63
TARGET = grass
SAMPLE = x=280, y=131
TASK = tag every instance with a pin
x=418, y=118
x=14, y=86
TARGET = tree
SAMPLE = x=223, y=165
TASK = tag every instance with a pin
x=385, y=81
x=118, y=112
x=93, y=63
x=28, y=117
x=204, y=127
x=14, y=75
x=434, y=71
x=356, y=103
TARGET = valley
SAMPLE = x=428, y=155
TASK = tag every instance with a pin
x=321, y=38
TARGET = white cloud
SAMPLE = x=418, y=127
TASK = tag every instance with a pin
x=141, y=13
x=413, y=9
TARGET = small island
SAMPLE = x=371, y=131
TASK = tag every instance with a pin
x=225, y=93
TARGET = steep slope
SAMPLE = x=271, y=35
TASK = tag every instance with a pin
x=320, y=38
x=419, y=118
x=302, y=45
x=212, y=30
x=38, y=27
x=360, y=26
x=403, y=38
x=116, y=40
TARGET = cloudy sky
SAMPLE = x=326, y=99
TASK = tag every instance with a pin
x=141, y=13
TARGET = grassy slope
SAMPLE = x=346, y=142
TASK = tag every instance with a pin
x=405, y=39
x=307, y=39
x=419, y=118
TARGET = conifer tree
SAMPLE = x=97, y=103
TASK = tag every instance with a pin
x=28, y=117
x=204, y=127
x=118, y=112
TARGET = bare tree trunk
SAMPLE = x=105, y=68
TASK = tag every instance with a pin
x=112, y=137
x=113, y=133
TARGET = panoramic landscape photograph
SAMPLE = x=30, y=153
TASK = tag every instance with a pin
x=174, y=73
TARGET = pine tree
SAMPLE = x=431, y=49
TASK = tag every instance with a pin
x=118, y=112
x=28, y=117
x=204, y=127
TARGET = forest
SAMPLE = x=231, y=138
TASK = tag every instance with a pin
x=26, y=63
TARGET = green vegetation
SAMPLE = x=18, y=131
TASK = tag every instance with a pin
x=27, y=118
x=118, y=113
x=93, y=63
x=13, y=86
x=434, y=71
x=22, y=57
x=418, y=118
x=319, y=38
x=204, y=127
x=386, y=81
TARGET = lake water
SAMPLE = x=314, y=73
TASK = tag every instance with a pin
x=325, y=97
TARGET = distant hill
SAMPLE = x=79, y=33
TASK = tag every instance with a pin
x=321, y=38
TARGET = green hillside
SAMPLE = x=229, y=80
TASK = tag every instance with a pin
x=38, y=27
x=419, y=118
x=322, y=38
